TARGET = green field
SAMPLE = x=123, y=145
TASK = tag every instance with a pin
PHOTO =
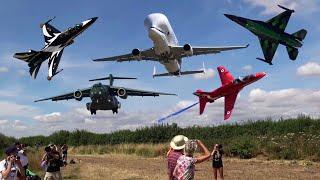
x=289, y=139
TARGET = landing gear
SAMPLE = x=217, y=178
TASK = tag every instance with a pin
x=93, y=111
x=115, y=111
x=49, y=78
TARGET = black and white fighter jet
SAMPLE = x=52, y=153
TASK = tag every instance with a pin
x=55, y=42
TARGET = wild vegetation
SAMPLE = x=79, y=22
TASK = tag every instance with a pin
x=297, y=138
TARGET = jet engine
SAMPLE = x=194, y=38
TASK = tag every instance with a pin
x=188, y=49
x=77, y=95
x=122, y=93
x=136, y=53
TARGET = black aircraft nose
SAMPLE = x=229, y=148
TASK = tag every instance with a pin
x=239, y=20
x=94, y=19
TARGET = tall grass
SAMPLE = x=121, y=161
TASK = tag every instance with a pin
x=297, y=138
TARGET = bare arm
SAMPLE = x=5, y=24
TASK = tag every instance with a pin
x=5, y=173
x=206, y=153
x=21, y=169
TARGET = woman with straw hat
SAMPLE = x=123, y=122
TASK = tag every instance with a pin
x=177, y=145
x=185, y=167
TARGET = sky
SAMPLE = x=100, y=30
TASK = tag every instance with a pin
x=289, y=89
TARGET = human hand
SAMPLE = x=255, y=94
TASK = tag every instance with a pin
x=11, y=159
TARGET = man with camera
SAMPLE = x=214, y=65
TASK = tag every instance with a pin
x=53, y=162
x=11, y=165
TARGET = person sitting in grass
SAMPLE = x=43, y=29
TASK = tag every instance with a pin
x=177, y=145
x=185, y=167
x=217, y=164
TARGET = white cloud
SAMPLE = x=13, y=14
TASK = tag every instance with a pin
x=247, y=67
x=309, y=69
x=3, y=122
x=10, y=108
x=49, y=118
x=209, y=73
x=4, y=69
x=270, y=6
x=89, y=121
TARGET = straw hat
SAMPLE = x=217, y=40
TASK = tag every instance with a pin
x=178, y=142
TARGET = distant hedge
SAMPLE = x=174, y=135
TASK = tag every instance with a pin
x=283, y=139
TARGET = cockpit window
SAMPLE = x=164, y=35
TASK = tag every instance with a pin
x=243, y=78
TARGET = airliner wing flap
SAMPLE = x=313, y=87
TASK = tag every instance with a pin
x=229, y=102
x=148, y=55
x=179, y=52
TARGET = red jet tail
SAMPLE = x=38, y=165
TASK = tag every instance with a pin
x=202, y=103
x=202, y=100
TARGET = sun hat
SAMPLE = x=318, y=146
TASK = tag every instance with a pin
x=178, y=142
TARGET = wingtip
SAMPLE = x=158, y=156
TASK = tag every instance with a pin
x=247, y=45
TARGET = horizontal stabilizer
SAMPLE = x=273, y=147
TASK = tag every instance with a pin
x=111, y=78
x=293, y=53
x=26, y=56
x=180, y=73
x=269, y=62
x=300, y=35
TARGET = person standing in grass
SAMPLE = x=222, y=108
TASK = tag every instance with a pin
x=217, y=164
x=185, y=168
x=177, y=145
x=53, y=163
x=11, y=165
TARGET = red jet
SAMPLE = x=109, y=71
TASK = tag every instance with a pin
x=229, y=90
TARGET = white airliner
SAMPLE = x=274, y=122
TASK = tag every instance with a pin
x=166, y=48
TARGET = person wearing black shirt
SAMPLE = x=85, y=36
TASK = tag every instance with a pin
x=217, y=164
x=53, y=162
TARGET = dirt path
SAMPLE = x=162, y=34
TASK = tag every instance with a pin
x=127, y=167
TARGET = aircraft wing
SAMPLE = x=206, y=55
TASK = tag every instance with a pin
x=49, y=32
x=54, y=61
x=269, y=48
x=225, y=76
x=144, y=55
x=179, y=52
x=137, y=92
x=229, y=102
x=280, y=21
x=67, y=96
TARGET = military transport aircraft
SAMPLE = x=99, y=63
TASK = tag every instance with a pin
x=166, y=49
x=271, y=34
x=55, y=42
x=229, y=90
x=103, y=96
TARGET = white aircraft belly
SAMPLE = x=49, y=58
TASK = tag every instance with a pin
x=171, y=66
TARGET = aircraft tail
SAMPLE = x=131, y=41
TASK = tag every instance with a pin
x=300, y=35
x=202, y=100
x=202, y=103
x=293, y=52
x=34, y=69
x=26, y=56
x=34, y=60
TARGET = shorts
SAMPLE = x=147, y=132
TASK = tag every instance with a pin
x=217, y=165
x=53, y=176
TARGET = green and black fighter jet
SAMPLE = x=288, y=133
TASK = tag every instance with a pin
x=271, y=34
